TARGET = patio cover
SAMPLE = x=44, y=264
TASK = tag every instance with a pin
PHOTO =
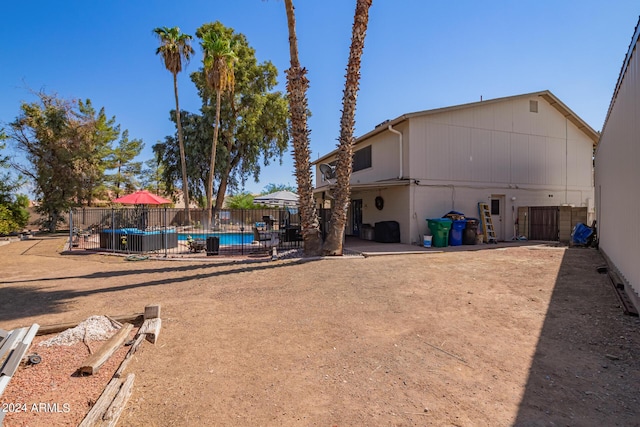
x=278, y=198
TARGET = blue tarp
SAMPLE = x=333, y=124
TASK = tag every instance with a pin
x=581, y=234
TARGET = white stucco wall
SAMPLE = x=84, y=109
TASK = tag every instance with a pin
x=617, y=175
x=502, y=143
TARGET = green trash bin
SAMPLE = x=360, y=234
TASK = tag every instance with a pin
x=440, y=230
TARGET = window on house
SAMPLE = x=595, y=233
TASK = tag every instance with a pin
x=362, y=159
x=495, y=207
x=533, y=106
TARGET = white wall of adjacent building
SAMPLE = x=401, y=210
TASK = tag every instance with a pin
x=617, y=175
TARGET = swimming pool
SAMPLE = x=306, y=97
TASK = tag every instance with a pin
x=229, y=239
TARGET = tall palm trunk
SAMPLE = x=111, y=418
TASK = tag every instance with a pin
x=342, y=191
x=297, y=86
x=213, y=160
x=183, y=160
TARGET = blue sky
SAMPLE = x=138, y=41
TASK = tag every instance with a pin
x=419, y=55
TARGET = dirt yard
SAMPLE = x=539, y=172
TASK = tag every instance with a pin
x=526, y=336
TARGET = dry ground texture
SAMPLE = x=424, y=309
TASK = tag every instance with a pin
x=527, y=336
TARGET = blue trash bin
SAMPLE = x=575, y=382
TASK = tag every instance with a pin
x=457, y=229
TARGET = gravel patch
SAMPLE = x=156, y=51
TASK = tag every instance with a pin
x=95, y=328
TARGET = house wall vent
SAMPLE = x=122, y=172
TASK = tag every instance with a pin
x=533, y=106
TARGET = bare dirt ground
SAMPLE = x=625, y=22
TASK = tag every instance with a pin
x=526, y=336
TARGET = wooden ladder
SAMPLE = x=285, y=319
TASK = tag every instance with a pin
x=487, y=223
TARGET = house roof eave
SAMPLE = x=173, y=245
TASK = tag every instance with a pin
x=545, y=94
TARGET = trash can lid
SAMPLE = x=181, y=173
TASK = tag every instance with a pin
x=455, y=215
x=443, y=220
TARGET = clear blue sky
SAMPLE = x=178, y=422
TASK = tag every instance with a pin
x=419, y=55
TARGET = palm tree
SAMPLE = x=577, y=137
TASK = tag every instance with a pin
x=174, y=48
x=219, y=60
x=297, y=86
x=342, y=191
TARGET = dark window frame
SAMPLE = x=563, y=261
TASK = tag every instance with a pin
x=362, y=159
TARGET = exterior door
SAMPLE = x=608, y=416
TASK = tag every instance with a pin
x=356, y=217
x=498, y=215
x=543, y=223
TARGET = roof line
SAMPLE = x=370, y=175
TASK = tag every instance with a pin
x=623, y=70
x=545, y=94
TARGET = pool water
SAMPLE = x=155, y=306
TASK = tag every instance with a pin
x=237, y=238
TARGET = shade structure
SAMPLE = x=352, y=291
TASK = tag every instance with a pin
x=142, y=197
x=278, y=198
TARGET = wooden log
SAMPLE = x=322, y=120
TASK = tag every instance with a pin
x=151, y=328
x=94, y=416
x=151, y=311
x=93, y=363
x=128, y=357
x=112, y=414
x=134, y=319
x=114, y=322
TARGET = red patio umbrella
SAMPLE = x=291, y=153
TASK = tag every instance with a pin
x=142, y=197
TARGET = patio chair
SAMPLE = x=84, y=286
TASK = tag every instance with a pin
x=265, y=240
x=260, y=237
x=196, y=245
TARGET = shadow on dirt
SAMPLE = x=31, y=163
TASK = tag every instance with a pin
x=585, y=369
x=172, y=268
x=17, y=302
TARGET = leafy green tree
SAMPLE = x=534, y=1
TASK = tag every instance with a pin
x=13, y=208
x=66, y=146
x=253, y=119
x=219, y=60
x=242, y=200
x=14, y=215
x=197, y=140
x=272, y=188
x=175, y=47
x=95, y=134
x=253, y=128
x=150, y=176
x=45, y=132
x=124, y=177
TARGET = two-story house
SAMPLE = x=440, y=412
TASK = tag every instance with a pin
x=520, y=151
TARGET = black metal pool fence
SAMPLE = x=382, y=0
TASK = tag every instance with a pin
x=164, y=231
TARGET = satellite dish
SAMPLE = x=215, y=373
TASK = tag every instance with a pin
x=328, y=171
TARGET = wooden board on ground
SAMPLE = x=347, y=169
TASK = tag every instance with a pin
x=112, y=414
x=93, y=363
x=128, y=356
x=151, y=327
x=108, y=408
x=94, y=416
x=151, y=311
